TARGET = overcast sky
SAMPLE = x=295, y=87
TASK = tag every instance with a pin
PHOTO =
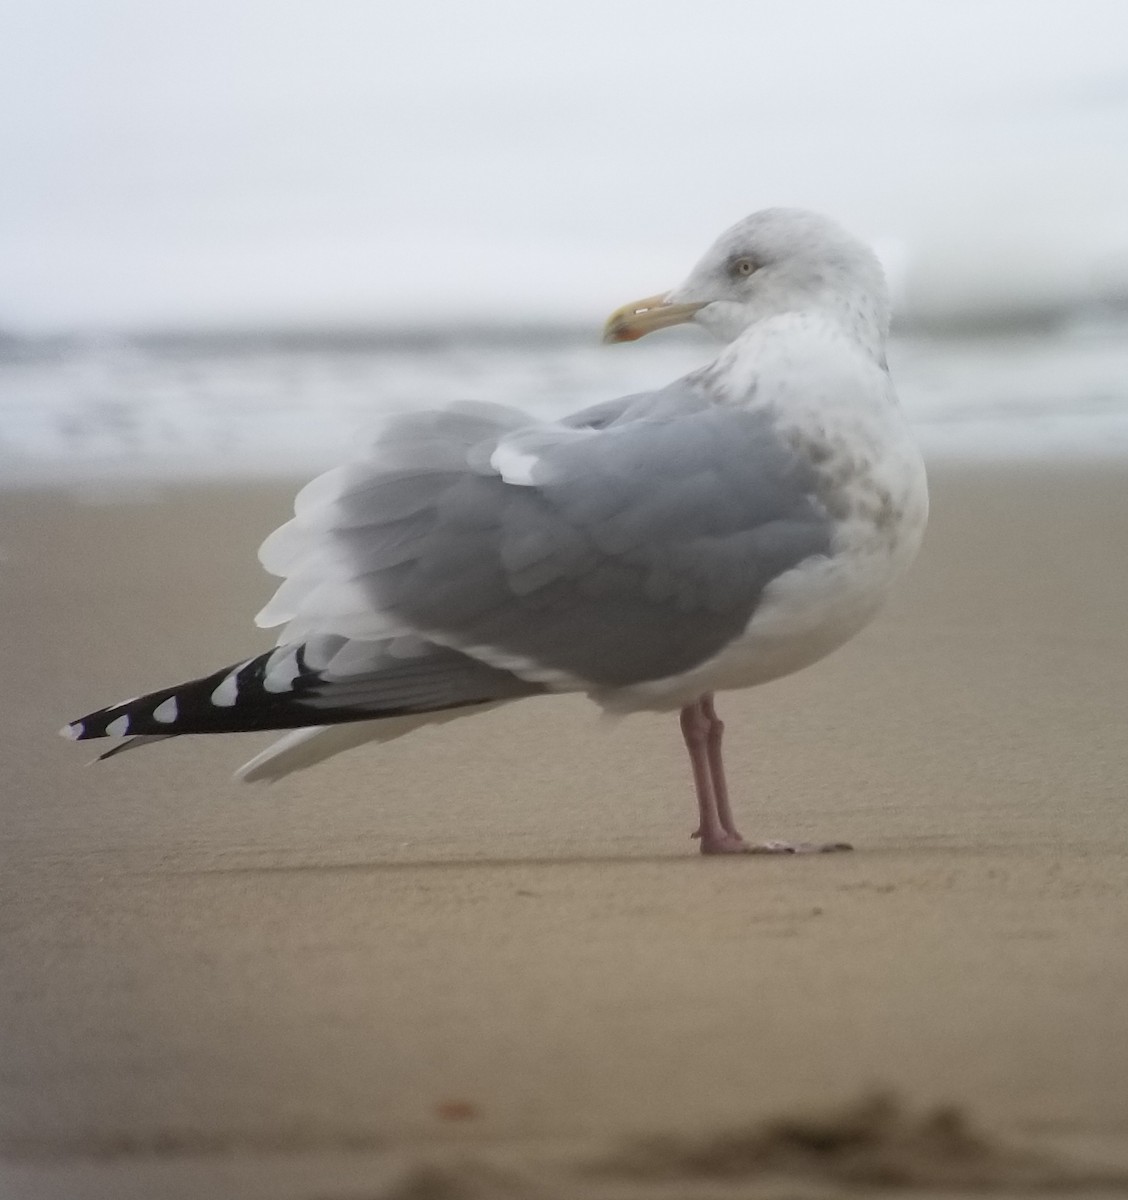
x=348, y=160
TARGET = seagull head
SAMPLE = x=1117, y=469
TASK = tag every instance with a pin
x=778, y=260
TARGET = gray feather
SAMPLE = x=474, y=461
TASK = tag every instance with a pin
x=376, y=680
x=638, y=547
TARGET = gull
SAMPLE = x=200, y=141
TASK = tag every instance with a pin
x=721, y=532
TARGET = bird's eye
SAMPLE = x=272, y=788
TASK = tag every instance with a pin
x=743, y=266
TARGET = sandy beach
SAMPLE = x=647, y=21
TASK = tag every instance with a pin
x=485, y=957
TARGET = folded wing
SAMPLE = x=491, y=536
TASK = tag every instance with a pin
x=628, y=546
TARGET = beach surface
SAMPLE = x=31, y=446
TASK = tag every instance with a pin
x=481, y=960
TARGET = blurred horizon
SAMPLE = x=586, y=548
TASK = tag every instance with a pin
x=273, y=166
x=231, y=236
x=112, y=412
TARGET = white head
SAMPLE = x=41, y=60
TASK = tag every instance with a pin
x=778, y=260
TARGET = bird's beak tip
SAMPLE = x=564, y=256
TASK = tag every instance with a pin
x=618, y=330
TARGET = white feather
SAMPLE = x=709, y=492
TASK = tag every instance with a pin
x=306, y=747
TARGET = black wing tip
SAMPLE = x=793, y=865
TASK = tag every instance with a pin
x=237, y=699
x=114, y=721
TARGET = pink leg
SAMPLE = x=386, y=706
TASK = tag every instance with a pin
x=716, y=835
x=703, y=731
x=717, y=765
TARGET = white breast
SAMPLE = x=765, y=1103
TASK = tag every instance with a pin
x=806, y=612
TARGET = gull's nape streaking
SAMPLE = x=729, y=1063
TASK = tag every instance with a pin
x=726, y=530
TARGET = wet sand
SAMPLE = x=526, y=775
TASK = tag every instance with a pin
x=493, y=943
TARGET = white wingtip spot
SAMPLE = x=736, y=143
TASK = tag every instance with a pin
x=227, y=692
x=118, y=726
x=166, y=712
x=73, y=731
x=281, y=669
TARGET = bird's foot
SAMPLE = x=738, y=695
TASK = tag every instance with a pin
x=723, y=843
x=733, y=843
x=798, y=847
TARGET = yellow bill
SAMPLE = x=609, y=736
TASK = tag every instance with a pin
x=637, y=319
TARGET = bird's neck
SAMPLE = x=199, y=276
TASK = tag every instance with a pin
x=859, y=319
x=818, y=359
x=859, y=314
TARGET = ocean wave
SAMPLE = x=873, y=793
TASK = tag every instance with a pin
x=252, y=405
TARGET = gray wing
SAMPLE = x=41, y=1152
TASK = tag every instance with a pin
x=679, y=399
x=629, y=544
